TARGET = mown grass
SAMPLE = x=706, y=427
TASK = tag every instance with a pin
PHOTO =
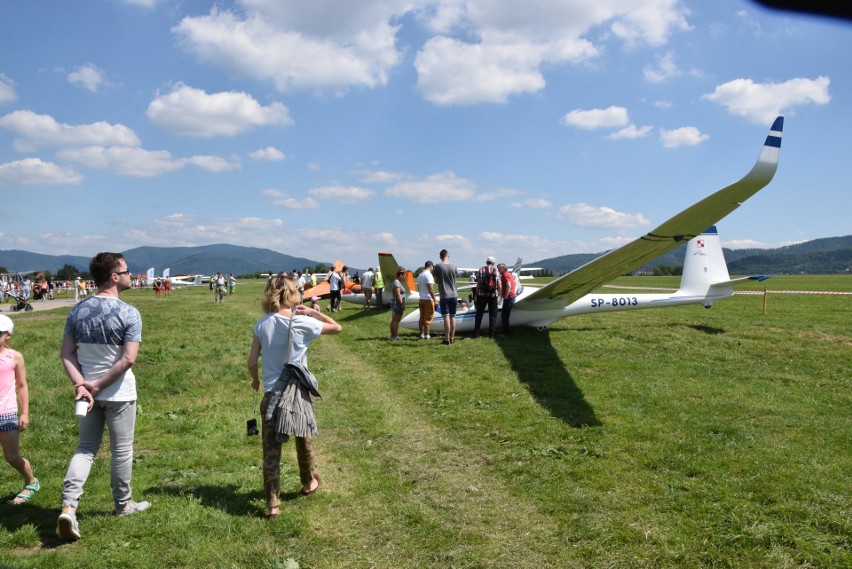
x=682, y=437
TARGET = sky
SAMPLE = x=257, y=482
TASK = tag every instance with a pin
x=333, y=129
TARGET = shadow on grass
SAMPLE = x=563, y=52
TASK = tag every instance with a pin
x=533, y=357
x=225, y=497
x=13, y=518
x=707, y=329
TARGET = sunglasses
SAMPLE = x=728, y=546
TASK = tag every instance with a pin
x=119, y=273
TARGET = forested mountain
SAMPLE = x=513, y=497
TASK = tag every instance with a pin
x=821, y=256
x=193, y=260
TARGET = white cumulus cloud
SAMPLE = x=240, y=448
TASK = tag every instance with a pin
x=590, y=119
x=269, y=153
x=760, y=103
x=89, y=76
x=490, y=50
x=437, y=188
x=298, y=45
x=453, y=72
x=585, y=215
x=126, y=161
x=283, y=199
x=34, y=131
x=193, y=112
x=36, y=172
x=684, y=136
x=341, y=194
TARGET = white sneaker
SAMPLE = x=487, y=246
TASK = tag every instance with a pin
x=396, y=338
x=67, y=527
x=427, y=337
x=132, y=507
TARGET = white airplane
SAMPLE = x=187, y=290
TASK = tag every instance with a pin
x=705, y=275
x=388, y=267
x=188, y=280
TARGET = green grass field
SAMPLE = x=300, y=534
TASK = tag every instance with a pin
x=678, y=437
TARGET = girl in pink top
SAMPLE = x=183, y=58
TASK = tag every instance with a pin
x=13, y=388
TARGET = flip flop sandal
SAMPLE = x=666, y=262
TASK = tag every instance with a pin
x=33, y=488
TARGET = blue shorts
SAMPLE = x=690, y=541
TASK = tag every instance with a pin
x=9, y=421
x=449, y=305
x=396, y=307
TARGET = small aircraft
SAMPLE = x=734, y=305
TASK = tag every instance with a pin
x=388, y=267
x=705, y=274
x=188, y=280
x=321, y=289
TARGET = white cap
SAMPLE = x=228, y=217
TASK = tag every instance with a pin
x=6, y=324
x=490, y=260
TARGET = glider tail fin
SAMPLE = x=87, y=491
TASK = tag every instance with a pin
x=704, y=265
x=388, y=266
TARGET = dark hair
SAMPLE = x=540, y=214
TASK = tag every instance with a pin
x=103, y=265
x=443, y=254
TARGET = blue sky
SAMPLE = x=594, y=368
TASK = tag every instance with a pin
x=335, y=129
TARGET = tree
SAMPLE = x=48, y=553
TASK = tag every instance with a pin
x=68, y=273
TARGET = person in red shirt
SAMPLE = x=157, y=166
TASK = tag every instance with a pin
x=507, y=280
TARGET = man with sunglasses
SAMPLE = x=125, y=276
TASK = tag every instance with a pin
x=99, y=347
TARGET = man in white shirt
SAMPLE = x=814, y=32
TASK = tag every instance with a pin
x=367, y=286
x=428, y=302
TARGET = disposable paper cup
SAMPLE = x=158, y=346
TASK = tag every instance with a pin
x=81, y=407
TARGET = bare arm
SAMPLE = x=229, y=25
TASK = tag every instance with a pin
x=329, y=324
x=92, y=388
x=254, y=353
x=23, y=392
x=68, y=353
x=124, y=363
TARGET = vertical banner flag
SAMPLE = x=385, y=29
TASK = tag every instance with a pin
x=150, y=276
x=166, y=273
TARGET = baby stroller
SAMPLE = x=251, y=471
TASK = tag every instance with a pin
x=21, y=303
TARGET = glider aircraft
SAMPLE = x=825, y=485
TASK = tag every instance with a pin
x=705, y=274
x=388, y=267
x=188, y=280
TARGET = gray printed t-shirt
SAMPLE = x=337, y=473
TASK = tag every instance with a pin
x=100, y=325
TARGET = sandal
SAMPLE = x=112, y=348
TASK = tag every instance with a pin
x=24, y=498
x=272, y=515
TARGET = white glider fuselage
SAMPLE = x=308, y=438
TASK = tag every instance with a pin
x=705, y=274
x=705, y=280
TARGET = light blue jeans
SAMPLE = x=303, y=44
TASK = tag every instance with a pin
x=120, y=418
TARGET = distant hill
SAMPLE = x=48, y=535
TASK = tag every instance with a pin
x=26, y=262
x=209, y=259
x=830, y=255
x=205, y=260
x=821, y=256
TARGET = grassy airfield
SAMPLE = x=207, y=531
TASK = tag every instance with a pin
x=680, y=437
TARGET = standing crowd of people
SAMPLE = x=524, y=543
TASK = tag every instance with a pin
x=100, y=345
x=494, y=289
